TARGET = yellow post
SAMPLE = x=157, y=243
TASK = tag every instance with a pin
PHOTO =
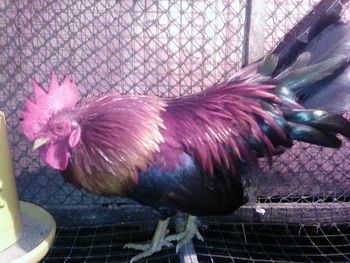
x=10, y=216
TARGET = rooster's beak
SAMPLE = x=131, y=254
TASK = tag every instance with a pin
x=40, y=142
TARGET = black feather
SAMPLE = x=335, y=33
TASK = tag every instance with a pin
x=305, y=133
x=321, y=120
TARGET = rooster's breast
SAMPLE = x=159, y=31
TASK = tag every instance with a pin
x=189, y=189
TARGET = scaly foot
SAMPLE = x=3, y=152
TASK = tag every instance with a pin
x=190, y=232
x=155, y=245
x=148, y=248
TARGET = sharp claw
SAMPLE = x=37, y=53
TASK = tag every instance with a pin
x=141, y=255
x=178, y=248
x=127, y=245
x=183, y=242
x=137, y=246
x=199, y=236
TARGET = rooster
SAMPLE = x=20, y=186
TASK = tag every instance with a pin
x=188, y=153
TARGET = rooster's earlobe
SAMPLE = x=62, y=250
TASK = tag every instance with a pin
x=74, y=137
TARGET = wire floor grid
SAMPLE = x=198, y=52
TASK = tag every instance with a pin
x=223, y=242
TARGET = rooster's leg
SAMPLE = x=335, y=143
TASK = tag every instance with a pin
x=155, y=244
x=190, y=231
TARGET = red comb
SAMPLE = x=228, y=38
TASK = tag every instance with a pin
x=57, y=98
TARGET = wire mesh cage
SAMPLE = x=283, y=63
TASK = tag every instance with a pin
x=168, y=48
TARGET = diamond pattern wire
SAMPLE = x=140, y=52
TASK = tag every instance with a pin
x=281, y=16
x=224, y=243
x=274, y=243
x=104, y=244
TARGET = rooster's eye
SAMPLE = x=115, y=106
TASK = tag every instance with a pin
x=59, y=128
